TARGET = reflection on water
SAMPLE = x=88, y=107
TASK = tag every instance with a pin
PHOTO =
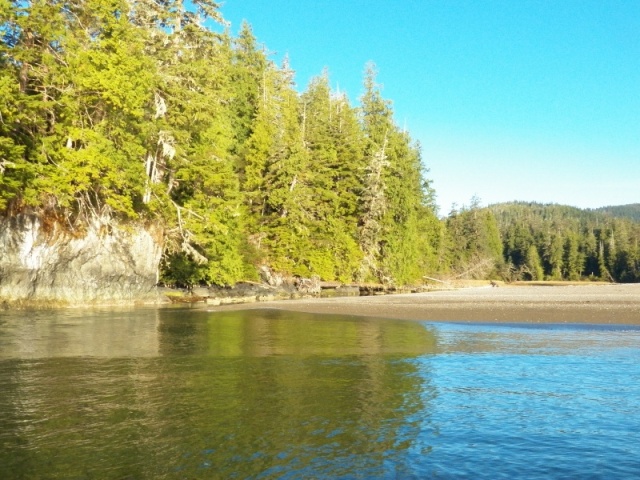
x=176, y=392
x=180, y=393
x=77, y=333
x=161, y=332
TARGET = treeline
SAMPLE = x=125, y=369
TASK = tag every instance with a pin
x=139, y=110
x=149, y=111
x=556, y=242
x=631, y=211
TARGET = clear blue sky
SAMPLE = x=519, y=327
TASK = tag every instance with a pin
x=511, y=100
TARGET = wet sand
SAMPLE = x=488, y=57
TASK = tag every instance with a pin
x=598, y=304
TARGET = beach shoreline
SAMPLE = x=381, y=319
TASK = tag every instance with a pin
x=593, y=304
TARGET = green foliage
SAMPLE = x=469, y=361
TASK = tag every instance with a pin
x=629, y=212
x=80, y=83
x=573, y=243
x=138, y=110
x=248, y=66
x=181, y=271
x=533, y=264
x=15, y=172
x=474, y=243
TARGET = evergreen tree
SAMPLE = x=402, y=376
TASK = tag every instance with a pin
x=574, y=243
x=406, y=248
x=573, y=258
x=333, y=141
x=590, y=248
x=135, y=110
x=377, y=126
x=15, y=171
x=248, y=70
x=83, y=86
x=474, y=241
x=190, y=149
x=534, y=266
x=277, y=177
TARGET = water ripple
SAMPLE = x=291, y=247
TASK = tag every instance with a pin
x=179, y=394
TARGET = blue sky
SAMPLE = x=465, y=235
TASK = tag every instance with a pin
x=511, y=100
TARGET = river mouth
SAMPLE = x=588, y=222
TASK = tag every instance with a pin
x=185, y=393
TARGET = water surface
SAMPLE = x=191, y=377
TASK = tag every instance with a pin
x=185, y=393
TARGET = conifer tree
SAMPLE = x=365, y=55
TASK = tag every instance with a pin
x=475, y=242
x=15, y=170
x=573, y=243
x=190, y=150
x=83, y=86
x=590, y=248
x=377, y=125
x=276, y=182
x=397, y=222
x=332, y=138
x=248, y=71
x=409, y=217
x=137, y=110
x=533, y=264
x=573, y=258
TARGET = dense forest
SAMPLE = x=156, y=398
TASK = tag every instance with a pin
x=154, y=112
x=631, y=211
x=555, y=242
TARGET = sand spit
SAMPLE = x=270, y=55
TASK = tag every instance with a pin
x=598, y=304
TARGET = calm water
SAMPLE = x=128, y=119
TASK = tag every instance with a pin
x=182, y=393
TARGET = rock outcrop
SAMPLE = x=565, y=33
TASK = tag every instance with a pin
x=42, y=262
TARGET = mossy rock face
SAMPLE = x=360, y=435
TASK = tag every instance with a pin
x=103, y=262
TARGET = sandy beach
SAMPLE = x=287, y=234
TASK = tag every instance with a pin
x=598, y=304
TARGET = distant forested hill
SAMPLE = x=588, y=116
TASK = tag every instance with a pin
x=631, y=211
x=558, y=242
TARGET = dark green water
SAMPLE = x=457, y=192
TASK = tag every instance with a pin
x=182, y=393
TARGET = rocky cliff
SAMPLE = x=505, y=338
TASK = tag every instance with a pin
x=42, y=262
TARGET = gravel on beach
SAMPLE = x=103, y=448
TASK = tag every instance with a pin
x=597, y=304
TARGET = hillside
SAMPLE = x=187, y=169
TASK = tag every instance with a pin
x=631, y=211
x=558, y=242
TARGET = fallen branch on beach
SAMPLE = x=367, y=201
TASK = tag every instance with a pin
x=436, y=280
